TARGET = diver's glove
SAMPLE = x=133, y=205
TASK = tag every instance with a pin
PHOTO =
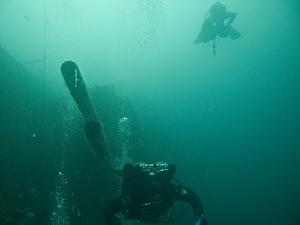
x=200, y=220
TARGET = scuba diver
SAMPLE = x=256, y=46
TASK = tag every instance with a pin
x=217, y=24
x=148, y=190
x=148, y=193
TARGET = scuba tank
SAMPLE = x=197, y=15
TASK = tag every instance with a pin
x=152, y=201
x=159, y=171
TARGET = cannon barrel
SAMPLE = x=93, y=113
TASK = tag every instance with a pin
x=93, y=127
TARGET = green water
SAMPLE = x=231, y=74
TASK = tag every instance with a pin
x=230, y=122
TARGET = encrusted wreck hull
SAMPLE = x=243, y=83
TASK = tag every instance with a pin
x=41, y=138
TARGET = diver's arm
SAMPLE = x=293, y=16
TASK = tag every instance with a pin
x=187, y=195
x=110, y=211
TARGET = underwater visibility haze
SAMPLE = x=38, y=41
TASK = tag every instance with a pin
x=223, y=107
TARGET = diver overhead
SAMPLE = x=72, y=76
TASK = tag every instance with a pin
x=148, y=193
x=217, y=24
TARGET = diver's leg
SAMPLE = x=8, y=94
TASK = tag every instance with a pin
x=233, y=33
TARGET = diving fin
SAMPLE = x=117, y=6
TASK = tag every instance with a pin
x=234, y=34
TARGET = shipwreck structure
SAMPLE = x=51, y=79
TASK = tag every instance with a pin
x=45, y=160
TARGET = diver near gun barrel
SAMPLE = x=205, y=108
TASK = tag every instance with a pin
x=148, y=190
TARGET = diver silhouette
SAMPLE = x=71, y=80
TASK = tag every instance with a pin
x=148, y=193
x=217, y=24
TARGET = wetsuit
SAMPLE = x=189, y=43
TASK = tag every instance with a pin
x=149, y=202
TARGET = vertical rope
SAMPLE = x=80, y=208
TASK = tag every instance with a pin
x=45, y=47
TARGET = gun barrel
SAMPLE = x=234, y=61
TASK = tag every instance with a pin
x=93, y=128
